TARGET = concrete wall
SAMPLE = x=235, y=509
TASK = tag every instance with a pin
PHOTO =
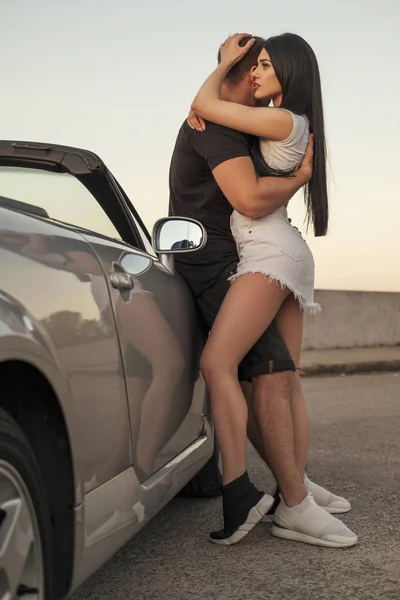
x=353, y=319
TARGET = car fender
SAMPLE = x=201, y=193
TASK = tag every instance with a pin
x=23, y=338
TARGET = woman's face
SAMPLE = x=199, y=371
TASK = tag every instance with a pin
x=266, y=84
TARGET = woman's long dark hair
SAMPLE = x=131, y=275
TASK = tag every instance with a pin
x=296, y=68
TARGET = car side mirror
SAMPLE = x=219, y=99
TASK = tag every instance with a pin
x=175, y=235
x=178, y=234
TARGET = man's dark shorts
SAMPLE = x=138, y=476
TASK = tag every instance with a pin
x=268, y=355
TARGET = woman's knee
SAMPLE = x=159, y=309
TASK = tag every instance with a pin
x=214, y=364
x=207, y=364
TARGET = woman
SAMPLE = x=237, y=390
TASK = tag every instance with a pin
x=275, y=274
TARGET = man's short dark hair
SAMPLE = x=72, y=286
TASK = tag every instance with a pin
x=239, y=71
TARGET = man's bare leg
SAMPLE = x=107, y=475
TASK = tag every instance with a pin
x=272, y=413
x=300, y=420
x=253, y=432
x=304, y=521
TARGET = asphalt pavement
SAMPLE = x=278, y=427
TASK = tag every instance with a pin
x=355, y=452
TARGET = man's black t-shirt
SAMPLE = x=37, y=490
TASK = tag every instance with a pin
x=194, y=193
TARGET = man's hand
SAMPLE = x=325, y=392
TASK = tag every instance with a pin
x=305, y=170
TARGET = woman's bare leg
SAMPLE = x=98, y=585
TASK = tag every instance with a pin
x=290, y=323
x=248, y=309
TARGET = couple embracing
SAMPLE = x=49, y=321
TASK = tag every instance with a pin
x=254, y=137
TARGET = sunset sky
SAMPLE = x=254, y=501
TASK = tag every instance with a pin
x=118, y=78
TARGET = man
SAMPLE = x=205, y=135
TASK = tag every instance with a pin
x=212, y=173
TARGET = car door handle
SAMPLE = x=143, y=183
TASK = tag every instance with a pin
x=120, y=279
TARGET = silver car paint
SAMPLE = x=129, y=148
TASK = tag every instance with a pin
x=116, y=511
x=81, y=358
x=90, y=370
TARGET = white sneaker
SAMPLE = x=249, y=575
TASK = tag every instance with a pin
x=325, y=499
x=309, y=523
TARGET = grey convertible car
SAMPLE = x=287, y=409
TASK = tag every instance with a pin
x=103, y=411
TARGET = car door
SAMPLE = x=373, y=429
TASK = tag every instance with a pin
x=161, y=346
x=53, y=272
x=159, y=338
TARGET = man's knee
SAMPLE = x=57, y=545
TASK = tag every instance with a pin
x=272, y=384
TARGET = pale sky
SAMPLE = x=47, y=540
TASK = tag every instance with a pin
x=118, y=78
